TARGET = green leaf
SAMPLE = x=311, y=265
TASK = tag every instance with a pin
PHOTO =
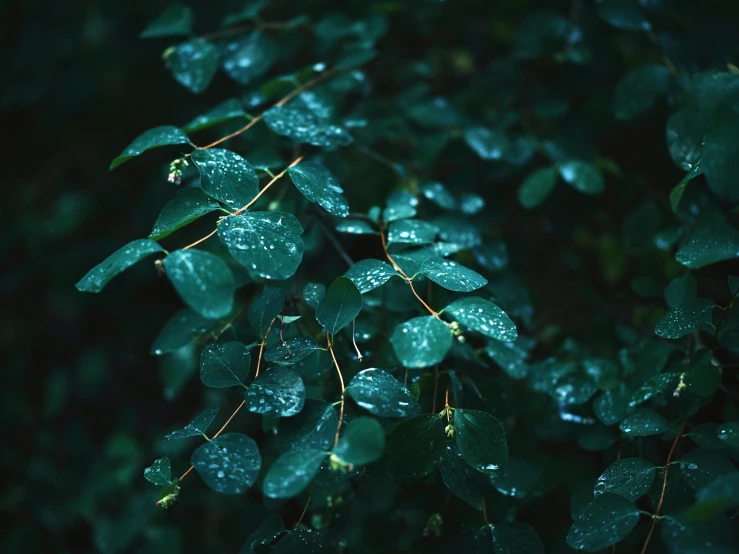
x=702, y=466
x=313, y=428
x=301, y=541
x=370, y=274
x=292, y=473
x=196, y=427
x=493, y=255
x=268, y=244
x=639, y=89
x=401, y=204
x=452, y=276
x=654, y=386
x=680, y=289
x=354, y=227
x=583, y=177
x=610, y=406
x=489, y=144
x=226, y=176
x=461, y=480
x=277, y=392
x=623, y=14
x=341, y=304
x=224, y=364
x=405, y=231
x=518, y=480
x=180, y=330
x=175, y=20
x=481, y=440
x=292, y=350
x=734, y=284
x=515, y=537
x=606, y=520
x=160, y=472
x=573, y=389
x=225, y=111
x=119, y=261
x=416, y=446
x=362, y=443
x=193, y=64
x=628, y=477
x=203, y=281
x=189, y=205
x=153, y=138
x=228, y=464
x=686, y=318
x=720, y=152
x=716, y=497
x=729, y=433
x=248, y=56
x=712, y=240
x=264, y=308
x=421, y=341
x=382, y=394
x=484, y=317
x=703, y=379
x=313, y=293
x=676, y=194
x=644, y=422
x=439, y=195
x=470, y=203
x=249, y=11
x=302, y=121
x=458, y=230
x=317, y=184
x=537, y=187
x=269, y=529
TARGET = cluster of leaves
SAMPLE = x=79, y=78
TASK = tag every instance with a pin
x=426, y=368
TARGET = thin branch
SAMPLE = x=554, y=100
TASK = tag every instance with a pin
x=202, y=239
x=307, y=503
x=341, y=380
x=295, y=162
x=261, y=346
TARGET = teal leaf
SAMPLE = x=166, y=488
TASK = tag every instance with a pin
x=224, y=364
x=180, y=330
x=470, y=203
x=644, y=422
x=484, y=317
x=729, y=433
x=721, y=151
x=416, y=446
x=313, y=293
x=370, y=274
x=680, y=289
x=292, y=473
x=248, y=56
x=302, y=540
x=628, y=477
x=481, y=440
x=292, y=350
x=573, y=389
x=362, y=443
x=189, y=205
x=458, y=230
x=405, y=231
x=712, y=240
x=624, y=14
x=160, y=472
x=676, y=194
x=277, y=392
x=264, y=308
x=610, y=406
x=175, y=20
x=268, y=244
x=639, y=89
x=703, y=379
x=439, y=195
x=489, y=144
x=193, y=64
x=225, y=111
x=515, y=537
x=248, y=12
x=313, y=428
x=226, y=176
x=702, y=466
x=341, y=304
x=583, y=177
x=228, y=464
x=153, y=138
x=381, y=394
x=119, y=261
x=493, y=255
x=689, y=316
x=269, y=529
x=400, y=204
x=196, y=427
x=537, y=187
x=203, y=281
x=654, y=386
x=421, y=341
x=302, y=121
x=716, y=497
x=452, y=276
x=606, y=520
x=354, y=227
x=317, y=184
x=518, y=480
x=733, y=284
x=509, y=356
x=461, y=480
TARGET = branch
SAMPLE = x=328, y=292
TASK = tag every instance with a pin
x=341, y=380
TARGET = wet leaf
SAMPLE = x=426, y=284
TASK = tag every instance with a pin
x=729, y=433
x=226, y=176
x=416, y=446
x=341, y=304
x=421, y=341
x=224, y=364
x=160, y=472
x=119, y=261
x=318, y=185
x=313, y=428
x=583, y=177
x=292, y=350
x=193, y=64
x=382, y=394
x=639, y=89
x=452, y=276
x=537, y=187
x=716, y=497
x=228, y=464
x=303, y=122
x=610, y=406
x=489, y=144
x=196, y=427
x=249, y=56
x=481, y=440
x=276, y=392
x=225, y=111
x=644, y=422
x=301, y=541
x=362, y=443
x=313, y=294
x=438, y=194
x=264, y=308
x=406, y=231
x=606, y=520
x=628, y=477
x=712, y=240
x=180, y=330
x=370, y=274
x=689, y=316
x=189, y=205
x=153, y=138
x=484, y=317
x=515, y=537
x=292, y=473
x=702, y=466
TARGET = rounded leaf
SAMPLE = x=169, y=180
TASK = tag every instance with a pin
x=481, y=440
x=276, y=392
x=421, y=341
x=382, y=394
x=228, y=464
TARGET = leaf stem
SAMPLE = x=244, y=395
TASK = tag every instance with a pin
x=341, y=380
x=261, y=346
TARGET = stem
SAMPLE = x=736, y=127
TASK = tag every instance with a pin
x=261, y=346
x=655, y=517
x=307, y=503
x=202, y=239
x=295, y=162
x=341, y=380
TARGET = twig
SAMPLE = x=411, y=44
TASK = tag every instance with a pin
x=261, y=346
x=341, y=380
x=307, y=503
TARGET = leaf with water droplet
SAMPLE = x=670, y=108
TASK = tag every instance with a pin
x=481, y=440
x=515, y=537
x=153, y=138
x=189, y=205
x=712, y=240
x=583, y=177
x=160, y=472
x=370, y=274
x=718, y=496
x=461, y=480
x=175, y=20
x=654, y=386
x=518, y=479
x=228, y=464
x=452, y=276
x=180, y=330
x=400, y=204
x=276, y=392
x=421, y=342
x=484, y=317
x=416, y=446
x=193, y=64
x=313, y=428
x=729, y=433
x=537, y=187
x=268, y=244
x=686, y=318
x=120, y=260
x=319, y=185
x=644, y=422
x=224, y=364
x=509, y=357
x=264, y=308
x=301, y=541
x=606, y=520
x=302, y=121
x=703, y=379
x=362, y=443
x=292, y=350
x=493, y=255
x=438, y=194
x=196, y=427
x=341, y=304
x=628, y=477
x=249, y=56
x=489, y=144
x=269, y=529
x=676, y=194
x=353, y=226
x=227, y=110
x=411, y=231
x=313, y=293
x=703, y=465
x=226, y=176
x=292, y=473
x=203, y=281
x=382, y=394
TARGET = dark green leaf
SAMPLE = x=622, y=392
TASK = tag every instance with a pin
x=313, y=428
x=228, y=464
x=638, y=90
x=644, y=422
x=702, y=466
x=292, y=350
x=729, y=433
x=676, y=194
x=264, y=308
x=160, y=472
x=362, y=443
x=302, y=121
x=712, y=240
x=623, y=14
x=277, y=392
x=461, y=480
x=680, y=289
x=224, y=364
x=489, y=144
x=509, y=357
x=175, y=20
x=518, y=480
x=515, y=537
x=583, y=177
x=484, y=317
x=313, y=294
x=189, y=205
x=686, y=318
x=196, y=427
x=610, y=406
x=416, y=446
x=318, y=185
x=481, y=440
x=180, y=330
x=493, y=255
x=382, y=394
x=341, y=304
x=573, y=389
x=354, y=227
x=406, y=231
x=193, y=64
x=226, y=176
x=452, y=276
x=292, y=473
x=537, y=187
x=249, y=11
x=248, y=56
x=439, y=195
x=401, y=204
x=629, y=477
x=606, y=520
x=421, y=341
x=721, y=151
x=153, y=138
x=270, y=528
x=301, y=541
x=703, y=379
x=369, y=274
x=225, y=111
x=120, y=260
x=716, y=497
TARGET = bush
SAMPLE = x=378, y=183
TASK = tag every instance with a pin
x=456, y=276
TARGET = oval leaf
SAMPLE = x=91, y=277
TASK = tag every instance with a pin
x=120, y=260
x=341, y=304
x=224, y=365
x=481, y=440
x=228, y=464
x=421, y=341
x=226, y=176
x=484, y=317
x=292, y=473
x=318, y=185
x=382, y=394
x=362, y=443
x=277, y=392
x=452, y=276
x=370, y=274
